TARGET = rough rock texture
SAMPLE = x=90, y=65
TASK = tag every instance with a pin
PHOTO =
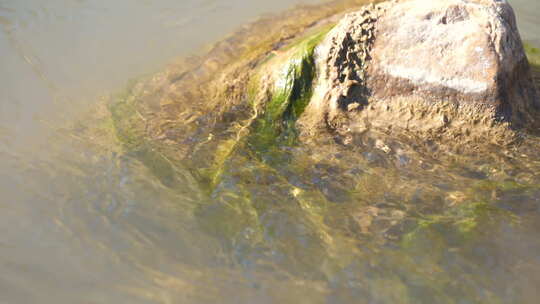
x=441, y=69
x=341, y=62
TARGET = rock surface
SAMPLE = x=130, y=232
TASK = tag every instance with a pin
x=447, y=68
x=447, y=71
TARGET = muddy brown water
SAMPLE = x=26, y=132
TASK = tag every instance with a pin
x=81, y=222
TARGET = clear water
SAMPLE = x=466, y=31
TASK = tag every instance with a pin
x=81, y=222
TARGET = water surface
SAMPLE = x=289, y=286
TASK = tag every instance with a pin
x=82, y=222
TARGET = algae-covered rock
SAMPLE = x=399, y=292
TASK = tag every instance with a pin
x=311, y=168
x=309, y=77
x=199, y=109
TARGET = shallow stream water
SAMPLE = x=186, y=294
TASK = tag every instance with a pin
x=82, y=222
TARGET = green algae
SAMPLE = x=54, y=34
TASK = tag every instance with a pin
x=458, y=225
x=129, y=127
x=290, y=93
x=267, y=215
x=127, y=123
x=266, y=223
x=445, y=244
x=259, y=214
x=533, y=54
x=306, y=209
x=263, y=131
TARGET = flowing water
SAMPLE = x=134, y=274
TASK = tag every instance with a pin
x=83, y=222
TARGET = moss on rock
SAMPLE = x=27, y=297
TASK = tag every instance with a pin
x=533, y=54
x=458, y=226
x=289, y=90
x=129, y=125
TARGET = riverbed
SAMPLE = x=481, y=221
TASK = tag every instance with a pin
x=82, y=222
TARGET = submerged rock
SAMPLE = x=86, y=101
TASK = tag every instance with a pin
x=448, y=72
x=437, y=69
x=258, y=123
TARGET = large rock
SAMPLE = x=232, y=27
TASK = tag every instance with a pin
x=445, y=68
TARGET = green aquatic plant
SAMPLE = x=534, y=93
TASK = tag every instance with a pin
x=127, y=123
x=533, y=54
x=290, y=92
x=129, y=126
x=457, y=226
x=274, y=124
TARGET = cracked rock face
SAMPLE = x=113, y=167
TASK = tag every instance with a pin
x=446, y=68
